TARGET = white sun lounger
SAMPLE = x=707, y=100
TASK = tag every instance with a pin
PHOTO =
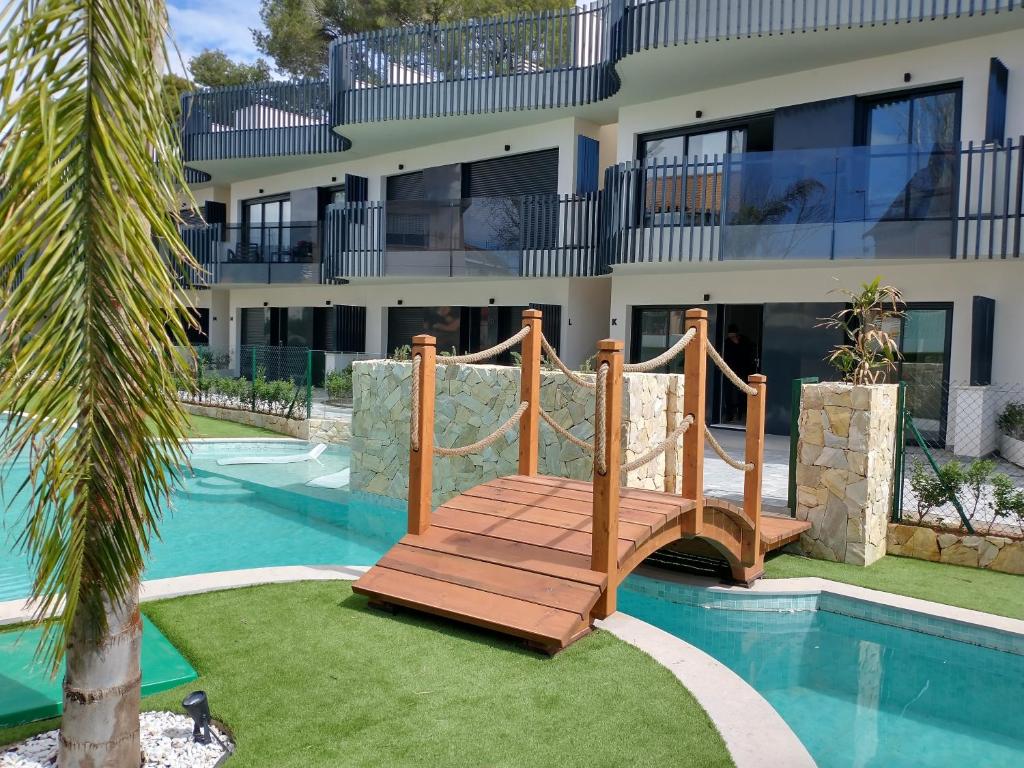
x=294, y=458
x=334, y=480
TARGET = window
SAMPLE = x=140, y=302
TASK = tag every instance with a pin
x=266, y=233
x=916, y=178
x=684, y=173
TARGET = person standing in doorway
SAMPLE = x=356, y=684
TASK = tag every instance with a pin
x=738, y=355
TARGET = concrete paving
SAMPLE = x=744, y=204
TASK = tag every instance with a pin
x=723, y=481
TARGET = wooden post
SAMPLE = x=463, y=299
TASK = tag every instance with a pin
x=604, y=557
x=529, y=391
x=695, y=369
x=754, y=455
x=421, y=460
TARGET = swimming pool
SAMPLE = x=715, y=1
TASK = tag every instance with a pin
x=245, y=516
x=856, y=692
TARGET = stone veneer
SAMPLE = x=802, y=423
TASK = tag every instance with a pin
x=844, y=471
x=315, y=430
x=472, y=401
x=995, y=553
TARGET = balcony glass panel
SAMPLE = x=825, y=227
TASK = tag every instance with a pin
x=855, y=202
x=271, y=253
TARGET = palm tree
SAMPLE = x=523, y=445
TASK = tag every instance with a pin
x=90, y=326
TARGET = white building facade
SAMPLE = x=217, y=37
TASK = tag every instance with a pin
x=618, y=164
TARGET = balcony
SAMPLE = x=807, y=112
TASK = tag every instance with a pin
x=569, y=58
x=250, y=254
x=531, y=236
x=835, y=204
x=267, y=120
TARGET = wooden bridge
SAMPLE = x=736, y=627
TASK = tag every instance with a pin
x=541, y=557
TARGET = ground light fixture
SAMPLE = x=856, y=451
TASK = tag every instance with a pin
x=198, y=708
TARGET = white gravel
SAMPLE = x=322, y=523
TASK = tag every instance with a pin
x=166, y=743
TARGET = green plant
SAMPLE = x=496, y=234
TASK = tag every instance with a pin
x=339, y=384
x=1009, y=501
x=91, y=167
x=402, y=353
x=1011, y=421
x=869, y=351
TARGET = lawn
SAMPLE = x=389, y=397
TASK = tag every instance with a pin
x=989, y=591
x=306, y=675
x=204, y=426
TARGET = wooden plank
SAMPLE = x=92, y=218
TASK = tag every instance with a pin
x=515, y=530
x=490, y=577
x=635, y=498
x=421, y=465
x=565, y=565
x=504, y=614
x=666, y=506
x=485, y=503
x=529, y=389
x=776, y=532
x=606, y=548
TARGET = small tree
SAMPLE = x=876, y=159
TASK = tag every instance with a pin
x=869, y=351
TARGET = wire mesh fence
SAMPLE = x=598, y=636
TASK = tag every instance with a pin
x=963, y=465
x=261, y=378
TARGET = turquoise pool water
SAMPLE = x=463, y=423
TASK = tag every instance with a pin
x=247, y=516
x=857, y=693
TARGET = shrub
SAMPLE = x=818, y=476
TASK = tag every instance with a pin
x=985, y=494
x=870, y=351
x=339, y=384
x=403, y=352
x=1011, y=421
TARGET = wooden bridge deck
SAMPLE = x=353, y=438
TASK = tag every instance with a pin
x=514, y=554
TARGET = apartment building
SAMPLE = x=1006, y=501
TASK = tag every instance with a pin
x=617, y=164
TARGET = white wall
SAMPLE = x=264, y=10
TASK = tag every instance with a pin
x=955, y=281
x=966, y=60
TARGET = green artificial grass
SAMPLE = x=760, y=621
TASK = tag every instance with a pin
x=980, y=590
x=204, y=426
x=306, y=675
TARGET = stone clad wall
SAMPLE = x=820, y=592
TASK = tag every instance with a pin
x=844, y=469
x=472, y=401
x=317, y=430
x=995, y=553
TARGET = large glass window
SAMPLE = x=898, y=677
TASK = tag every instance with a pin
x=917, y=178
x=266, y=232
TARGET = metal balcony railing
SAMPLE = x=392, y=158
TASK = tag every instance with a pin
x=266, y=120
x=568, y=57
x=848, y=203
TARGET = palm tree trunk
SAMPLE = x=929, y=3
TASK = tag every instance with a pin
x=100, y=728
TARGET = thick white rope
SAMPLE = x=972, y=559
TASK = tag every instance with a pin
x=664, y=358
x=485, y=354
x=661, y=447
x=558, y=363
x=741, y=466
x=729, y=372
x=559, y=429
x=600, y=447
x=488, y=441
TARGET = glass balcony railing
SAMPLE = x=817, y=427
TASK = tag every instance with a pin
x=893, y=202
x=265, y=253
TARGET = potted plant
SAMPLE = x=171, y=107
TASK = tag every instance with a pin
x=869, y=352
x=1011, y=433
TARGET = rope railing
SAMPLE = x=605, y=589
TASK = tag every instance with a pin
x=488, y=441
x=560, y=430
x=730, y=374
x=661, y=447
x=664, y=358
x=485, y=354
x=558, y=363
x=723, y=455
x=414, y=416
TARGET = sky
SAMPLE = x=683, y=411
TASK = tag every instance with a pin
x=225, y=24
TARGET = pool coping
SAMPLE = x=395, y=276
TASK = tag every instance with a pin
x=754, y=733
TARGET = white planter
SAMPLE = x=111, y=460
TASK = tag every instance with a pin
x=1011, y=449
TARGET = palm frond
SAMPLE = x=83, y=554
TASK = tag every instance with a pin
x=92, y=320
